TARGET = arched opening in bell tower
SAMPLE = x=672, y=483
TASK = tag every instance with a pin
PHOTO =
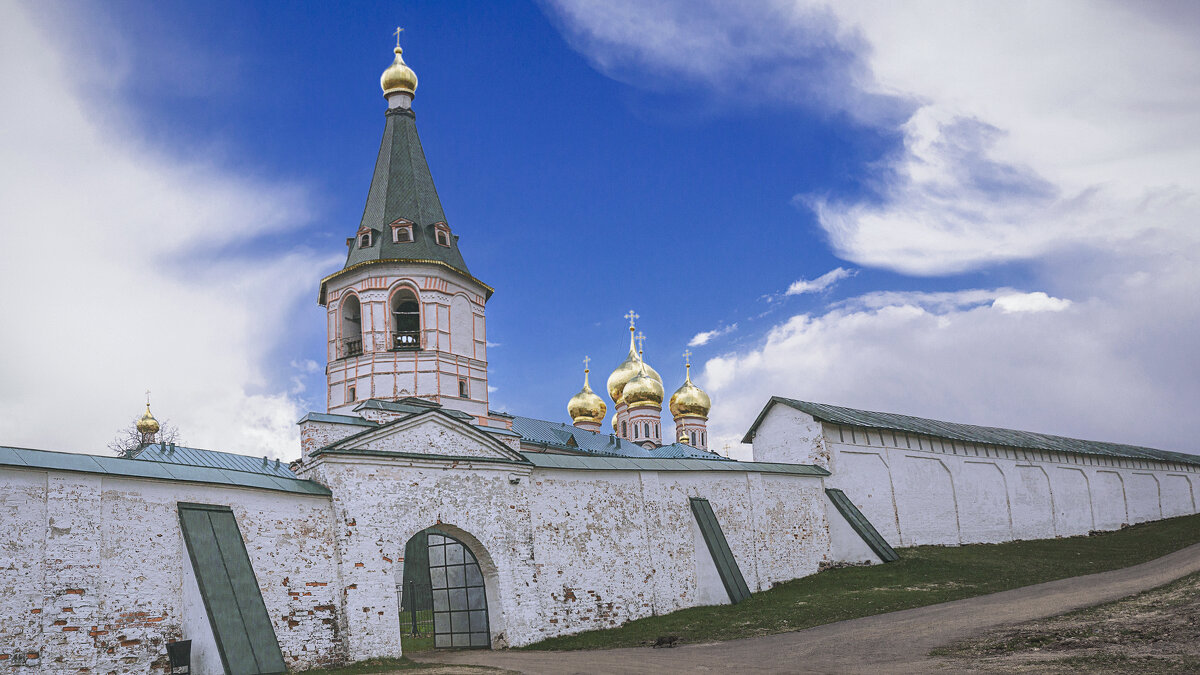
x=405, y=311
x=351, y=337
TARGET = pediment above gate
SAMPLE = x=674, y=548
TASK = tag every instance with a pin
x=432, y=433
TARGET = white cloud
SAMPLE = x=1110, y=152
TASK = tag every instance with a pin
x=821, y=283
x=1062, y=135
x=1030, y=302
x=707, y=336
x=1101, y=371
x=113, y=275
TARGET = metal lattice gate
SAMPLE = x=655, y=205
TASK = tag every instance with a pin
x=459, y=601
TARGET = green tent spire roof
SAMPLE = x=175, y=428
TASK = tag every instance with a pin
x=402, y=189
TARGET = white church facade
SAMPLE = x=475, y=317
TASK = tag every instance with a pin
x=526, y=528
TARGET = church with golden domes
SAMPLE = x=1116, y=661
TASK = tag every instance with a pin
x=637, y=393
x=414, y=515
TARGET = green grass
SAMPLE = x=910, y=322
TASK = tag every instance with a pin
x=371, y=666
x=924, y=575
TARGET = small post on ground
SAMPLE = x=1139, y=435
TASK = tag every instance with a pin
x=412, y=607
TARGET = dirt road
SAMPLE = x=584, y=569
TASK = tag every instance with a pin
x=893, y=643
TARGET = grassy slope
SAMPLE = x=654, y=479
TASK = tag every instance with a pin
x=924, y=575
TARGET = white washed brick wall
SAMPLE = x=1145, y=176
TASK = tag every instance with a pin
x=922, y=490
x=562, y=551
x=104, y=555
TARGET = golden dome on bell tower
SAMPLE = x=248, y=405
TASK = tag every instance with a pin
x=398, y=78
x=586, y=406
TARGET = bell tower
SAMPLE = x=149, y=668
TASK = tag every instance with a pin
x=405, y=317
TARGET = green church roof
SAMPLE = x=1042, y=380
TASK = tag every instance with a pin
x=402, y=189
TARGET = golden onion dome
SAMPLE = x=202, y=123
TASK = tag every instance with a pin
x=146, y=424
x=643, y=391
x=689, y=400
x=398, y=78
x=586, y=406
x=627, y=370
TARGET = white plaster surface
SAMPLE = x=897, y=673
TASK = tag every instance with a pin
x=927, y=490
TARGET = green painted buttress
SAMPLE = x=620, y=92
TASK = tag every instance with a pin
x=243, y=631
x=861, y=525
x=727, y=567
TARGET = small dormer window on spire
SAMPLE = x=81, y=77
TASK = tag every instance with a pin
x=441, y=234
x=365, y=237
x=402, y=231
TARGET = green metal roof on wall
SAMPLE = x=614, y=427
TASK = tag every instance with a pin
x=588, y=463
x=969, y=433
x=26, y=458
x=177, y=454
x=332, y=418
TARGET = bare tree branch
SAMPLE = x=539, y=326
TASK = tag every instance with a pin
x=129, y=439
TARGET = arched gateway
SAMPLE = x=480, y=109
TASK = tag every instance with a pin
x=443, y=599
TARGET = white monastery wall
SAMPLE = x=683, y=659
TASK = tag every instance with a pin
x=92, y=569
x=615, y=546
x=926, y=490
x=379, y=505
x=562, y=551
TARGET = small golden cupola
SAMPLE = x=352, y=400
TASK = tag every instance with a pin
x=587, y=410
x=399, y=82
x=689, y=400
x=146, y=424
x=689, y=406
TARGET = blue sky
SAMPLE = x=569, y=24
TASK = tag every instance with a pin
x=1011, y=208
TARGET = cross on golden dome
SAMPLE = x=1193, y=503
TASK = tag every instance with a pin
x=632, y=316
x=640, y=337
x=399, y=30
